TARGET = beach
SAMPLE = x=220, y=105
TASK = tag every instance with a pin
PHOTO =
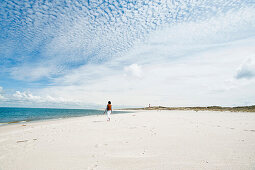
x=151, y=140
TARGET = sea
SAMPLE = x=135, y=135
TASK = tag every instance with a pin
x=10, y=115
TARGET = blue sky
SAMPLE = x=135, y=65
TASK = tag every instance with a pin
x=81, y=54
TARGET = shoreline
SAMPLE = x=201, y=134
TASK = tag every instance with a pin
x=55, y=118
x=128, y=110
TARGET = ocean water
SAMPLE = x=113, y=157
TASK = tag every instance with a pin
x=15, y=115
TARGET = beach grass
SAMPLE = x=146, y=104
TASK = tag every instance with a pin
x=208, y=108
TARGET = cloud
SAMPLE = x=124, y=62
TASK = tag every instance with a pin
x=43, y=99
x=130, y=52
x=172, y=77
x=134, y=69
x=32, y=72
x=246, y=70
x=1, y=95
x=28, y=96
x=67, y=35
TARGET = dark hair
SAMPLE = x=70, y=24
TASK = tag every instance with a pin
x=109, y=102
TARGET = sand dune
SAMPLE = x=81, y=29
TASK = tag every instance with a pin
x=178, y=140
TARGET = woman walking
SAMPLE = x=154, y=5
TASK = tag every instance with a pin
x=108, y=110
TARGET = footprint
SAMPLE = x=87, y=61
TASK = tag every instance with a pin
x=19, y=141
x=143, y=152
x=249, y=130
x=93, y=167
x=96, y=121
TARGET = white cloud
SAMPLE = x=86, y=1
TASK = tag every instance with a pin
x=93, y=32
x=173, y=53
x=43, y=98
x=246, y=70
x=1, y=95
x=174, y=71
x=26, y=96
x=31, y=72
x=197, y=77
x=134, y=69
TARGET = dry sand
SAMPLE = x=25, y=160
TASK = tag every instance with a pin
x=177, y=140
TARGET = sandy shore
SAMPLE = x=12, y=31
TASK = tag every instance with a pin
x=177, y=140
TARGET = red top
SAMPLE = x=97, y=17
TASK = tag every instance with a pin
x=109, y=107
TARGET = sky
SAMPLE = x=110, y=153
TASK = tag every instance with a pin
x=80, y=54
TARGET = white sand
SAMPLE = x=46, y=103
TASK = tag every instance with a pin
x=177, y=140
